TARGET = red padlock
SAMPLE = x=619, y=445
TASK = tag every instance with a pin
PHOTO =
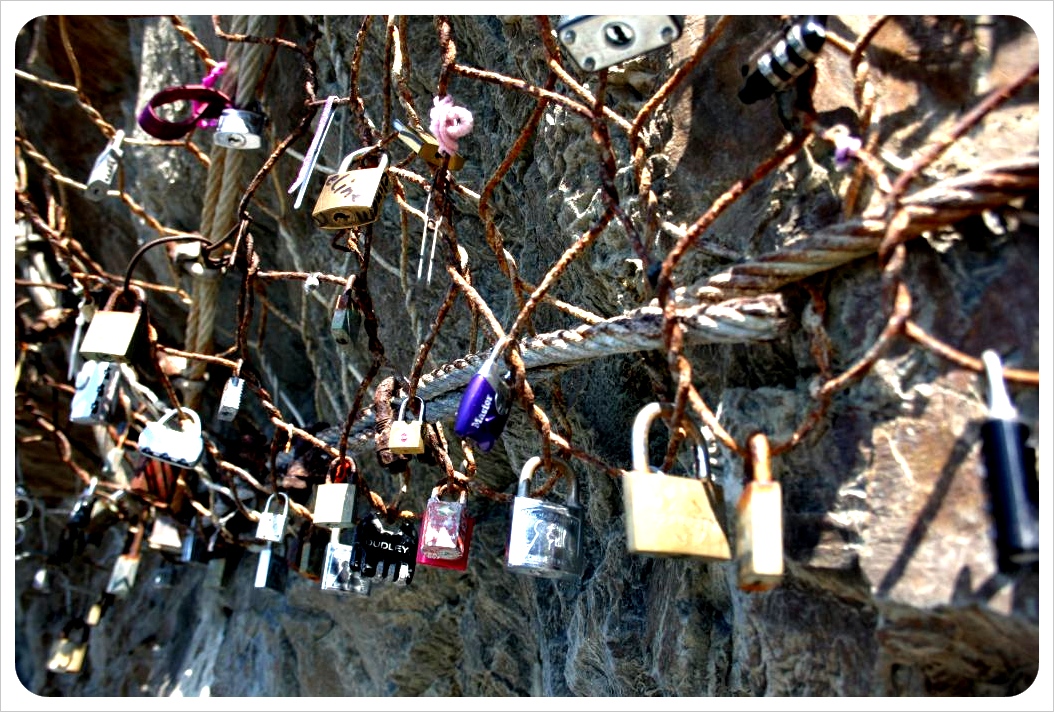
x=446, y=532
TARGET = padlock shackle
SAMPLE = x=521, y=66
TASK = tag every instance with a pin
x=190, y=414
x=639, y=438
x=402, y=408
x=439, y=490
x=140, y=300
x=758, y=450
x=522, y=490
x=359, y=153
x=285, y=509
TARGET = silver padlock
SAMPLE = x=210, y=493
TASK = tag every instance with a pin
x=105, y=168
x=231, y=399
x=599, y=41
x=271, y=570
x=182, y=448
x=545, y=538
x=272, y=524
x=238, y=128
x=96, y=392
x=165, y=536
x=407, y=438
x=337, y=574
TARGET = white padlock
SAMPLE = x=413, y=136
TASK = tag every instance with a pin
x=272, y=524
x=182, y=448
x=231, y=399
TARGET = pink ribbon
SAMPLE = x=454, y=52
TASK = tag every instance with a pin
x=209, y=80
x=449, y=123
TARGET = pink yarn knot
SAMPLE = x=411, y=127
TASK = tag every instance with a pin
x=209, y=80
x=449, y=123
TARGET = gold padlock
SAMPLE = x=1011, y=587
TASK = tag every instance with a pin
x=352, y=198
x=406, y=438
x=667, y=515
x=759, y=528
x=69, y=651
x=116, y=335
x=427, y=147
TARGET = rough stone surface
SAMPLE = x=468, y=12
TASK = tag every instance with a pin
x=891, y=587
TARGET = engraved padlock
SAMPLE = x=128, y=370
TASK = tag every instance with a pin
x=230, y=399
x=125, y=569
x=407, y=438
x=352, y=198
x=239, y=128
x=182, y=447
x=116, y=335
x=335, y=498
x=95, y=392
x=599, y=41
x=427, y=147
x=105, y=168
x=337, y=574
x=69, y=651
x=346, y=319
x=446, y=532
x=485, y=404
x=383, y=553
x=668, y=515
x=759, y=524
x=272, y=524
x=165, y=535
x=545, y=538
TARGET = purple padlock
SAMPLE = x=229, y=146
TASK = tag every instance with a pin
x=485, y=405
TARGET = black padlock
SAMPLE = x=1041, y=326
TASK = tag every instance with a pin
x=383, y=553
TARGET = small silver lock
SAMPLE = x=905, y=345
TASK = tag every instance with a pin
x=406, y=438
x=238, y=128
x=545, y=538
x=231, y=399
x=105, y=168
x=96, y=392
x=272, y=524
x=182, y=448
x=337, y=574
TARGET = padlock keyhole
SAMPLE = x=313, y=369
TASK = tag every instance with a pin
x=618, y=34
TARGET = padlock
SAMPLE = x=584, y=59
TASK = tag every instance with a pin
x=545, y=538
x=337, y=574
x=382, y=553
x=427, y=147
x=98, y=609
x=759, y=524
x=181, y=448
x=352, y=198
x=406, y=438
x=116, y=335
x=783, y=58
x=195, y=547
x=80, y=514
x=599, y=41
x=165, y=536
x=105, y=168
x=485, y=404
x=347, y=321
x=446, y=532
x=125, y=569
x=69, y=651
x=335, y=502
x=308, y=556
x=96, y=392
x=230, y=399
x=239, y=128
x=271, y=569
x=272, y=524
x=668, y=515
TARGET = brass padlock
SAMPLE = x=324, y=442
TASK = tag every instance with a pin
x=427, y=147
x=759, y=528
x=352, y=198
x=545, y=538
x=406, y=438
x=335, y=502
x=69, y=651
x=346, y=318
x=116, y=335
x=125, y=569
x=667, y=515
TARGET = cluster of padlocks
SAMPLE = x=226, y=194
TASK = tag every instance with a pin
x=345, y=552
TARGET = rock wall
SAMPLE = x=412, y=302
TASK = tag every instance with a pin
x=891, y=585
